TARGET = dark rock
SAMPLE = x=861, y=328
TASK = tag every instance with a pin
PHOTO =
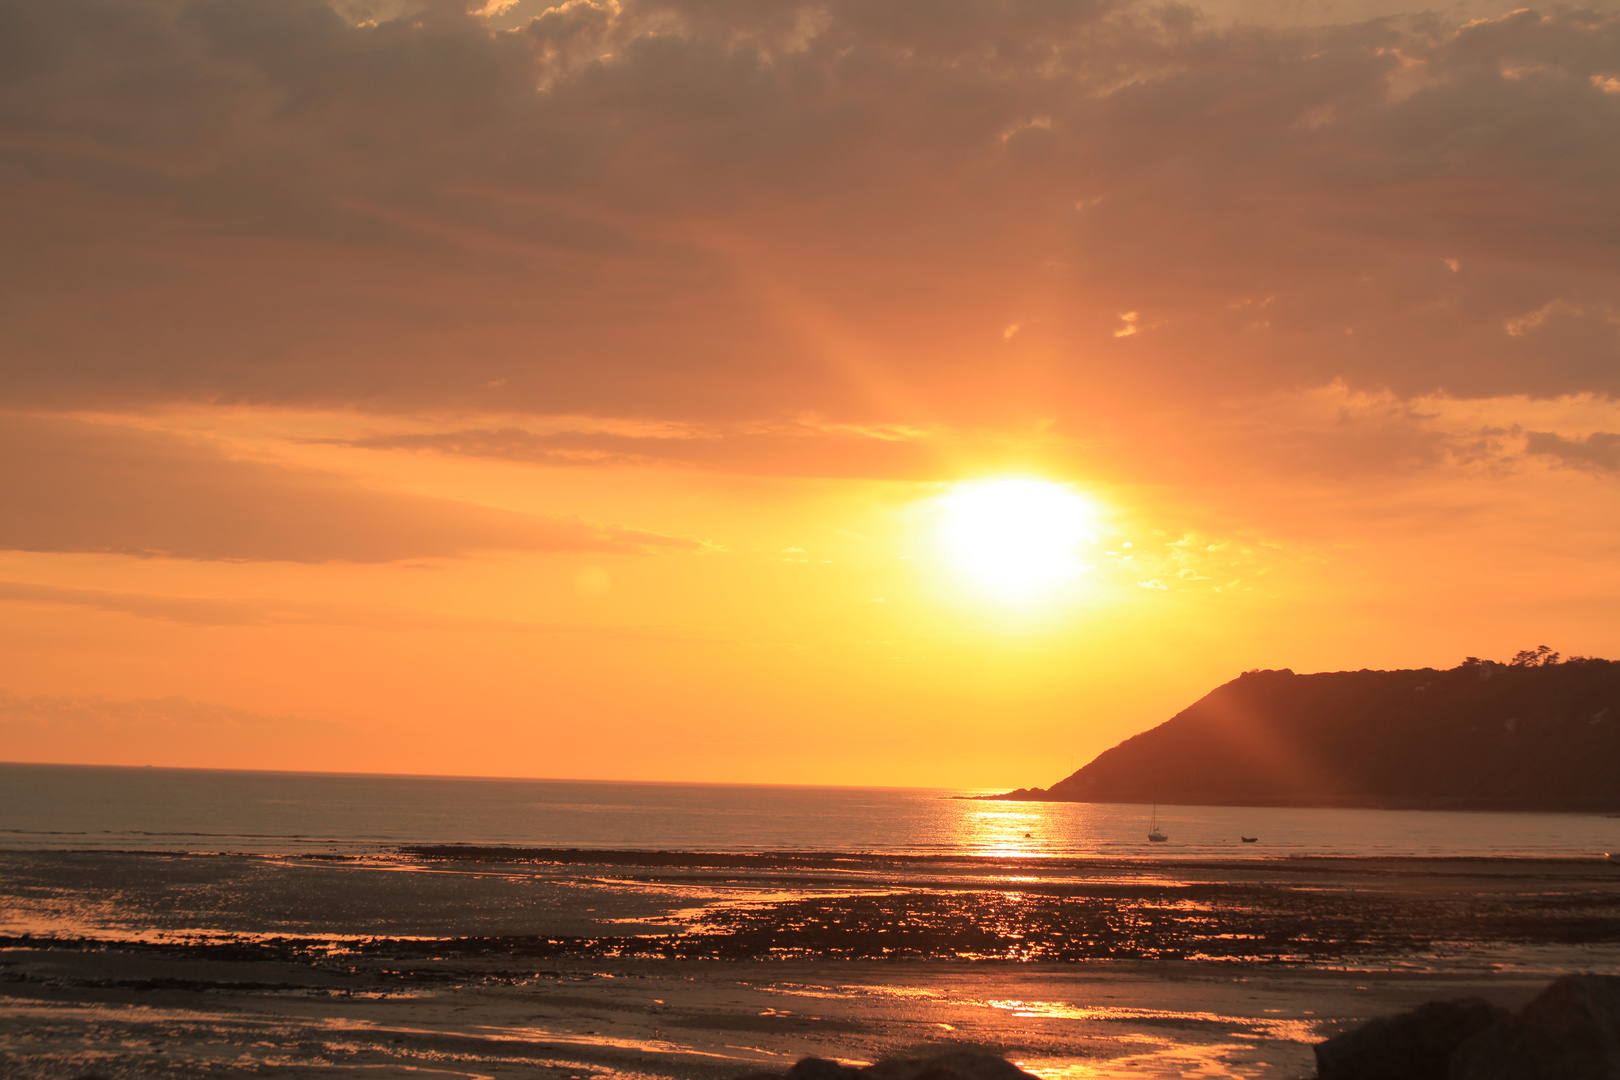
x=1412, y=1046
x=1570, y=1031
x=960, y=1065
x=956, y=1065
x=814, y=1068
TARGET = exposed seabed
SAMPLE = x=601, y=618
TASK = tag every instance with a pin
x=460, y=963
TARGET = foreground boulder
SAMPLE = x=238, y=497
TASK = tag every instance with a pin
x=1570, y=1031
x=958, y=1065
x=1412, y=1046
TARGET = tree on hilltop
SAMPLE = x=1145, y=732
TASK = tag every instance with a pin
x=1540, y=656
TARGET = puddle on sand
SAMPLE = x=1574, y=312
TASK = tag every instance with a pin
x=101, y=1036
x=1170, y=1061
x=107, y=922
x=844, y=993
x=1279, y=1029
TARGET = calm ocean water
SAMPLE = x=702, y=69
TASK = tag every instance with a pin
x=62, y=806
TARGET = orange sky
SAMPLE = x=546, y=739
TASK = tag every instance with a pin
x=582, y=390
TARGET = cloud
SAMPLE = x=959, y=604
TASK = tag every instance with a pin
x=727, y=211
x=178, y=730
x=189, y=611
x=785, y=451
x=1335, y=432
x=97, y=712
x=73, y=486
x=227, y=612
x=1599, y=451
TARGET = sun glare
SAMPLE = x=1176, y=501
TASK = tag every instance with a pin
x=1016, y=537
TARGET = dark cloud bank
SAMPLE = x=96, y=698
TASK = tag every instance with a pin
x=1599, y=451
x=711, y=210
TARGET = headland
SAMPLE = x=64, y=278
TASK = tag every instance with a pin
x=1537, y=734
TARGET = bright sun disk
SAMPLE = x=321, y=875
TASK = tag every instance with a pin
x=1016, y=536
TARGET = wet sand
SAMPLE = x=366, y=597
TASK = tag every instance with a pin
x=466, y=963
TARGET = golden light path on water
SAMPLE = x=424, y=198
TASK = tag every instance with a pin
x=995, y=828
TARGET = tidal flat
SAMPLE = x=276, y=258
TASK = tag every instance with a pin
x=462, y=961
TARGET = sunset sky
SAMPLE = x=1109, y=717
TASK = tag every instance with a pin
x=916, y=392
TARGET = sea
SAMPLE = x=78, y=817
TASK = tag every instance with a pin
x=73, y=807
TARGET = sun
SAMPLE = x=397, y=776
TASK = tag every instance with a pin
x=1017, y=537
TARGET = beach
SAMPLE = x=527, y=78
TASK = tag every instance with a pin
x=656, y=539
x=469, y=961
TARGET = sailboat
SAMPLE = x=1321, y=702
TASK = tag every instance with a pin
x=1153, y=829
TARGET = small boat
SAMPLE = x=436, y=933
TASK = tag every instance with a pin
x=1154, y=834
x=1248, y=839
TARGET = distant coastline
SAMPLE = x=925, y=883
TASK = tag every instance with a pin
x=1536, y=734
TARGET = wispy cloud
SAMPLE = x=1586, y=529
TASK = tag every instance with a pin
x=190, y=611
x=72, y=486
x=177, y=730
x=260, y=612
x=783, y=450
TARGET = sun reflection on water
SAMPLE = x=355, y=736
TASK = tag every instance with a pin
x=1007, y=830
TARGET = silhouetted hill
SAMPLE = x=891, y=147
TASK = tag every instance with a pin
x=1481, y=736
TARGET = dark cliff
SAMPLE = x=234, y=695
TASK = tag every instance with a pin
x=1479, y=736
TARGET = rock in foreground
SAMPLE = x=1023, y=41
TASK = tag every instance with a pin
x=958, y=1065
x=1412, y=1046
x=1570, y=1031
